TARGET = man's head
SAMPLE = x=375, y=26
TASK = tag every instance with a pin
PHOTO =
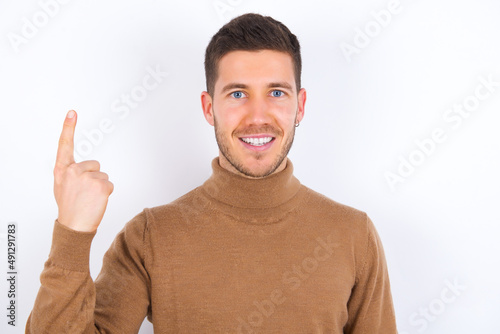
x=254, y=97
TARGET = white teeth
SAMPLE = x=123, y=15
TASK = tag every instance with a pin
x=257, y=141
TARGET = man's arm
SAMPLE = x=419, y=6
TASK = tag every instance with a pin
x=66, y=301
x=370, y=307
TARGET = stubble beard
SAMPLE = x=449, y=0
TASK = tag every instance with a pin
x=238, y=165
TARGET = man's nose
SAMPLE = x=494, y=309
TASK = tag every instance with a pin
x=258, y=111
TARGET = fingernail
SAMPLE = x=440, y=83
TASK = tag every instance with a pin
x=70, y=114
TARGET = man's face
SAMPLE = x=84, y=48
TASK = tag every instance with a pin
x=254, y=109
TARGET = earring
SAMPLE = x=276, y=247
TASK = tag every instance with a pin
x=297, y=125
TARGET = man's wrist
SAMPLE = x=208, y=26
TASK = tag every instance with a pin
x=70, y=248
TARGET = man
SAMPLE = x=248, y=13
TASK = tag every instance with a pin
x=249, y=251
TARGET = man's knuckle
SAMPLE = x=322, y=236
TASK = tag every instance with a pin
x=111, y=187
x=73, y=169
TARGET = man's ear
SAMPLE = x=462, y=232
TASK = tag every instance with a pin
x=206, y=105
x=302, y=96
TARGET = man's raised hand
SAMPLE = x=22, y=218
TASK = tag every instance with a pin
x=81, y=189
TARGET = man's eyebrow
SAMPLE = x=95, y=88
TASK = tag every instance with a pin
x=281, y=84
x=233, y=86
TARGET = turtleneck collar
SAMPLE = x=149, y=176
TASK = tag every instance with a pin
x=263, y=200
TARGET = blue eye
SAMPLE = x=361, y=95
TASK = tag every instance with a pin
x=277, y=93
x=237, y=95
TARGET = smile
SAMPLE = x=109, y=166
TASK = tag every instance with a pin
x=257, y=141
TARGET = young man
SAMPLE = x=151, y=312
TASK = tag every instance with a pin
x=250, y=251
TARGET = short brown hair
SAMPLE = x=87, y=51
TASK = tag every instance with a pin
x=251, y=32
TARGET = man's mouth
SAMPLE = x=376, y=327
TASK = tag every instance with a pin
x=257, y=141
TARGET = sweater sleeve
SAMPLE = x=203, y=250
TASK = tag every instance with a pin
x=370, y=306
x=68, y=300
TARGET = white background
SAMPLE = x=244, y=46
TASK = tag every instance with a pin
x=363, y=114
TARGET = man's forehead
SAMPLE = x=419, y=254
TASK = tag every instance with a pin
x=262, y=67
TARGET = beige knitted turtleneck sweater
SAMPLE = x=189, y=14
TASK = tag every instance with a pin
x=235, y=255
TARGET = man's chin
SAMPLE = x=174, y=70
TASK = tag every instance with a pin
x=256, y=174
x=256, y=168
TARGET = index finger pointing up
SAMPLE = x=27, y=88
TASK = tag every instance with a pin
x=66, y=146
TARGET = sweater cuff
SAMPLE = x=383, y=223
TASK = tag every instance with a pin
x=70, y=249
